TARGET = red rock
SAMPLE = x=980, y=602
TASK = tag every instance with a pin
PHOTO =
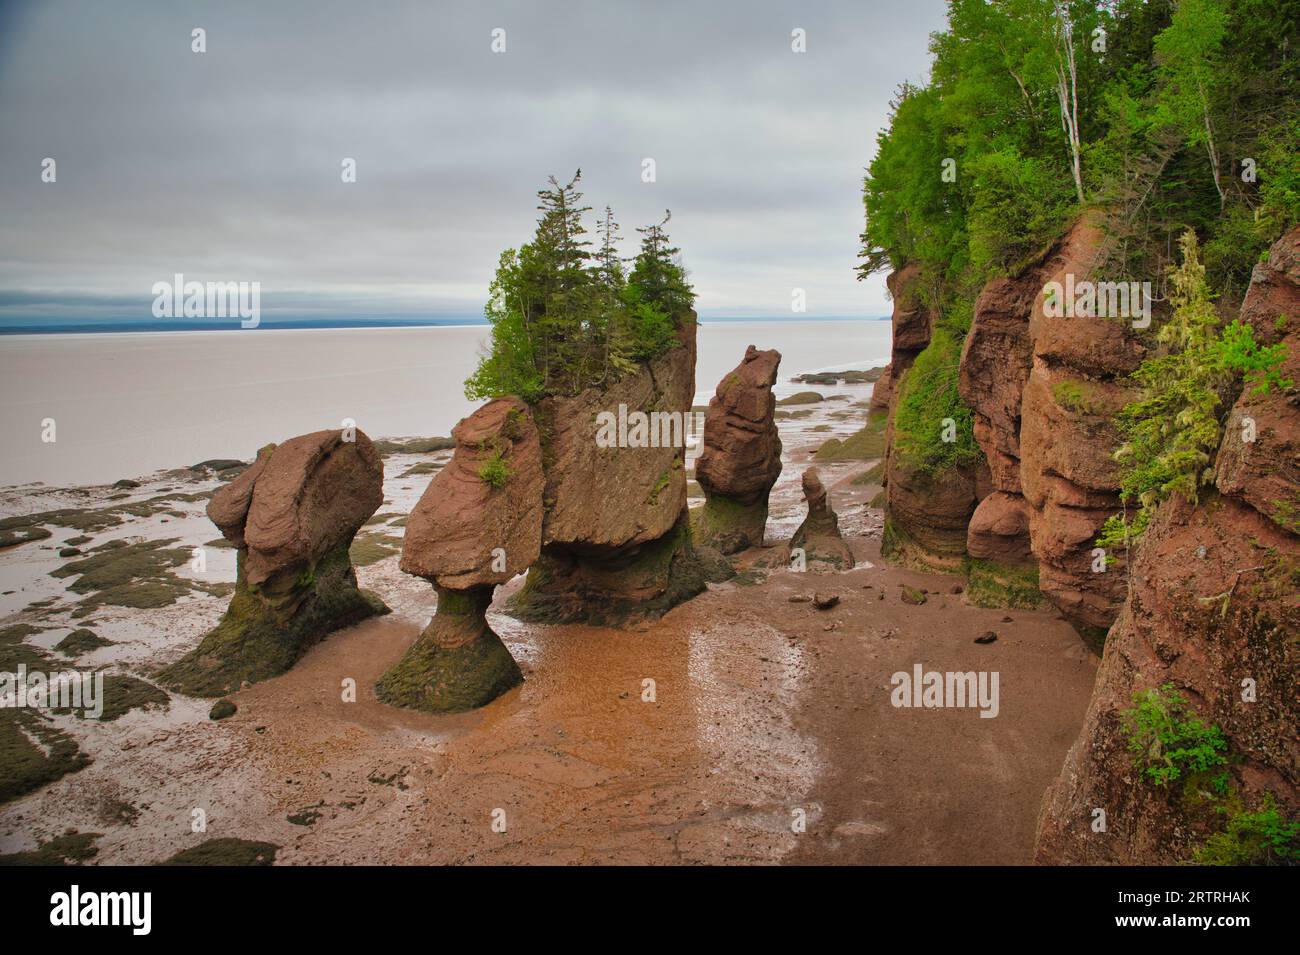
x=464, y=532
x=999, y=529
x=819, y=534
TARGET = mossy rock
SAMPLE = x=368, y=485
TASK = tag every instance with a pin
x=728, y=525
x=226, y=852
x=439, y=679
x=370, y=549
x=21, y=534
x=263, y=633
x=611, y=590
x=801, y=398
x=222, y=709
x=990, y=584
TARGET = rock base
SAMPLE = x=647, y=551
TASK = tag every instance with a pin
x=729, y=526
x=266, y=629
x=456, y=664
x=603, y=589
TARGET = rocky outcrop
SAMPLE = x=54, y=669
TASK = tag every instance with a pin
x=477, y=525
x=928, y=514
x=913, y=323
x=1067, y=439
x=1210, y=610
x=741, y=458
x=999, y=529
x=1259, y=462
x=292, y=515
x=818, y=537
x=616, y=541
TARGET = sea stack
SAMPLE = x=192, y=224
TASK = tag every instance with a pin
x=819, y=534
x=292, y=515
x=741, y=459
x=478, y=524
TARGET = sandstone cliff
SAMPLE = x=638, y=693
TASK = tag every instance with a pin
x=1211, y=610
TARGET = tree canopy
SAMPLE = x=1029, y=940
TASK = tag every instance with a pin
x=565, y=318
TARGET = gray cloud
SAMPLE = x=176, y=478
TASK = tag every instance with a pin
x=226, y=165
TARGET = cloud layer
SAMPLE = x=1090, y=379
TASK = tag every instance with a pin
x=226, y=165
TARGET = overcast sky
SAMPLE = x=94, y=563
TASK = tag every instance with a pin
x=225, y=165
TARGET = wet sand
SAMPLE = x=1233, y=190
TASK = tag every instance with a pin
x=765, y=713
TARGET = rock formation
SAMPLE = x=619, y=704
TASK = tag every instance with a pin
x=1211, y=609
x=913, y=322
x=1068, y=437
x=741, y=459
x=292, y=515
x=478, y=524
x=819, y=534
x=616, y=541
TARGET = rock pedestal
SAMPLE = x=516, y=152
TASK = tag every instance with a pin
x=741, y=459
x=819, y=534
x=292, y=515
x=478, y=524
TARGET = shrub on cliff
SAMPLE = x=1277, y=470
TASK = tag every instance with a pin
x=564, y=319
x=933, y=426
x=1174, y=428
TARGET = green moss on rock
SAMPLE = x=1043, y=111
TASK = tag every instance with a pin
x=990, y=584
x=265, y=631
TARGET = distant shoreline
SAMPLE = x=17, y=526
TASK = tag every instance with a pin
x=174, y=326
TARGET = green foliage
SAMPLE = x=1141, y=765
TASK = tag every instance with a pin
x=1173, y=429
x=564, y=318
x=1263, y=837
x=494, y=471
x=1187, y=118
x=1169, y=742
x=927, y=396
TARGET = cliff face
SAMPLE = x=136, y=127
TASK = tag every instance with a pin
x=912, y=323
x=1043, y=391
x=1067, y=438
x=1211, y=609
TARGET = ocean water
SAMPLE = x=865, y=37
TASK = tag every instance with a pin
x=128, y=404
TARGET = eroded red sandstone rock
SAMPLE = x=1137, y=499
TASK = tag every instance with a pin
x=1212, y=604
x=999, y=529
x=1212, y=610
x=478, y=524
x=616, y=540
x=819, y=535
x=293, y=515
x=1265, y=472
x=741, y=457
x=467, y=531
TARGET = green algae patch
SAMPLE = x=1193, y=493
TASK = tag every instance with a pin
x=414, y=445
x=33, y=753
x=801, y=398
x=867, y=444
x=990, y=584
x=126, y=575
x=21, y=534
x=424, y=467
x=265, y=631
x=123, y=693
x=81, y=641
x=71, y=848
x=370, y=549
x=226, y=852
